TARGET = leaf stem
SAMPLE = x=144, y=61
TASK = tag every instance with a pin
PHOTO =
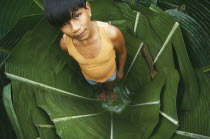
x=192, y=135
x=166, y=41
x=15, y=77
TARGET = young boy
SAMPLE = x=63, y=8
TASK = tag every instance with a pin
x=93, y=44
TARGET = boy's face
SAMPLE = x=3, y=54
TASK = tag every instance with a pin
x=79, y=27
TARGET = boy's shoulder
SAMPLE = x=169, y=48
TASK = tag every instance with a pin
x=102, y=24
x=112, y=31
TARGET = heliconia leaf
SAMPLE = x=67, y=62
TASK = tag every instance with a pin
x=19, y=9
x=39, y=3
x=7, y=100
x=11, y=39
x=196, y=39
x=52, y=99
x=154, y=20
x=168, y=119
x=200, y=124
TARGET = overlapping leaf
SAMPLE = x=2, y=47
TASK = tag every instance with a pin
x=47, y=85
x=11, y=11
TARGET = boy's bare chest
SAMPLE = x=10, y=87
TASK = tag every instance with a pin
x=90, y=50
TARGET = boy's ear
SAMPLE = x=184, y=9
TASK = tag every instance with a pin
x=88, y=8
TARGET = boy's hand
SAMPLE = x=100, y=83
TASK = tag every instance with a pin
x=120, y=75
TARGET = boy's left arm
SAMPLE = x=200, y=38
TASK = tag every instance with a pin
x=119, y=46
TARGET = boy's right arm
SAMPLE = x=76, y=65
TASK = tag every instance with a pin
x=63, y=45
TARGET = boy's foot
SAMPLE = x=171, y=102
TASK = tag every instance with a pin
x=112, y=95
x=102, y=95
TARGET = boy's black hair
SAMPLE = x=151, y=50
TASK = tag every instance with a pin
x=58, y=12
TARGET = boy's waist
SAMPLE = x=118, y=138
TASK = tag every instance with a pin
x=99, y=73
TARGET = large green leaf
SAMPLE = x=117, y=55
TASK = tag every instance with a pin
x=10, y=40
x=65, y=83
x=196, y=122
x=30, y=117
x=7, y=97
x=48, y=85
x=194, y=21
x=103, y=14
x=196, y=39
x=154, y=20
x=11, y=11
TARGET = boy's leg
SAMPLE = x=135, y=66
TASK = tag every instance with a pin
x=149, y=60
x=109, y=87
x=102, y=94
